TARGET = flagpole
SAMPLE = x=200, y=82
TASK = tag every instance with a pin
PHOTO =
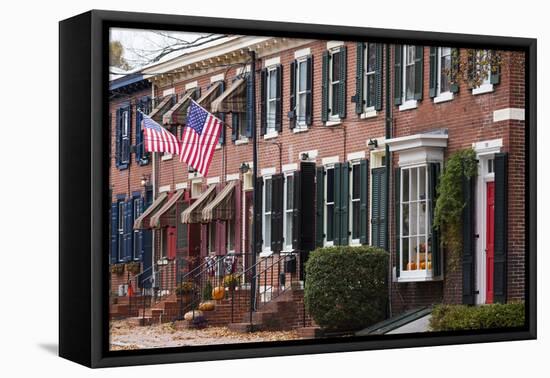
x=252, y=117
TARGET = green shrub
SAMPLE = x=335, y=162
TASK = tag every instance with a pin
x=460, y=317
x=346, y=287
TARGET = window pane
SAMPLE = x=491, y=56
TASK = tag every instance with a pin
x=371, y=57
x=336, y=66
x=356, y=192
x=288, y=229
x=330, y=185
x=405, y=183
x=370, y=90
x=445, y=68
x=267, y=233
x=355, y=224
x=290, y=192
x=330, y=222
x=409, y=90
x=422, y=183
x=413, y=254
x=414, y=184
x=272, y=84
x=271, y=115
x=405, y=216
x=267, y=195
x=301, y=108
x=422, y=218
x=405, y=253
x=335, y=99
x=231, y=234
x=302, y=76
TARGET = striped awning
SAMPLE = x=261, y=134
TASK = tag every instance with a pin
x=142, y=221
x=222, y=207
x=206, y=99
x=193, y=214
x=155, y=221
x=233, y=99
x=161, y=108
x=178, y=113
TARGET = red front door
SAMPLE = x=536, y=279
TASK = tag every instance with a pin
x=490, y=240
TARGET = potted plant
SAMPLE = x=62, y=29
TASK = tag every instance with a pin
x=117, y=269
x=231, y=281
x=185, y=291
x=133, y=267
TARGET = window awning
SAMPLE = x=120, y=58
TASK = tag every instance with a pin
x=233, y=99
x=178, y=113
x=193, y=214
x=161, y=108
x=155, y=221
x=221, y=207
x=142, y=221
x=206, y=99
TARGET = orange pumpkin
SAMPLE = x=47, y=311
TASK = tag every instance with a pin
x=207, y=306
x=218, y=293
x=411, y=266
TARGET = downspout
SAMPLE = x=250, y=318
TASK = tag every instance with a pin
x=389, y=123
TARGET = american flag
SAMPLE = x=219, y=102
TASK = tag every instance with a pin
x=200, y=136
x=157, y=138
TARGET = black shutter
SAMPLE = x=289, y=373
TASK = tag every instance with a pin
x=433, y=71
x=249, y=105
x=222, y=116
x=129, y=230
x=307, y=203
x=147, y=257
x=501, y=227
x=277, y=188
x=344, y=204
x=397, y=74
x=263, y=102
x=495, y=70
x=320, y=206
x=337, y=202
x=364, y=202
x=278, y=100
x=258, y=213
x=455, y=67
x=309, y=92
x=118, y=136
x=378, y=208
x=433, y=173
x=359, y=78
x=397, y=192
x=468, y=241
x=292, y=96
x=114, y=232
x=418, y=72
x=378, y=75
x=325, y=87
x=297, y=213
x=343, y=82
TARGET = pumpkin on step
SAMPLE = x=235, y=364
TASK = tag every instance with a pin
x=207, y=306
x=193, y=314
x=218, y=293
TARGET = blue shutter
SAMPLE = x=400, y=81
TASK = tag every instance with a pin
x=118, y=135
x=128, y=230
x=114, y=232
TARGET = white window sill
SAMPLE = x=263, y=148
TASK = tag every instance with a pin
x=271, y=135
x=355, y=243
x=408, y=105
x=266, y=253
x=166, y=157
x=287, y=251
x=369, y=113
x=329, y=244
x=300, y=129
x=238, y=142
x=443, y=97
x=416, y=276
x=333, y=122
x=483, y=88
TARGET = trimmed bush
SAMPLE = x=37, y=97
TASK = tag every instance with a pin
x=346, y=287
x=460, y=317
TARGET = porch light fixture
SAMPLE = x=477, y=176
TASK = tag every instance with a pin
x=144, y=180
x=191, y=169
x=244, y=168
x=304, y=156
x=373, y=144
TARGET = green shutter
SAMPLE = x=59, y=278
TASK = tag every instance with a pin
x=397, y=192
x=378, y=208
x=501, y=227
x=325, y=87
x=378, y=75
x=397, y=74
x=364, y=200
x=343, y=81
x=418, y=72
x=344, y=204
x=468, y=242
x=455, y=67
x=320, y=205
x=436, y=247
x=359, y=78
x=433, y=71
x=292, y=96
x=337, y=202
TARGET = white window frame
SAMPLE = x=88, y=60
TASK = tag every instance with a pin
x=326, y=242
x=271, y=102
x=368, y=109
x=446, y=95
x=354, y=164
x=331, y=116
x=120, y=234
x=425, y=274
x=301, y=124
x=287, y=245
x=485, y=86
x=266, y=247
x=411, y=103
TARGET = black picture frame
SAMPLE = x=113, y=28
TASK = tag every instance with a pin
x=83, y=196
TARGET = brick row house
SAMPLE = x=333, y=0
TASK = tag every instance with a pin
x=344, y=155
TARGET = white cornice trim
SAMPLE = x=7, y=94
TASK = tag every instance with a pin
x=418, y=140
x=506, y=114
